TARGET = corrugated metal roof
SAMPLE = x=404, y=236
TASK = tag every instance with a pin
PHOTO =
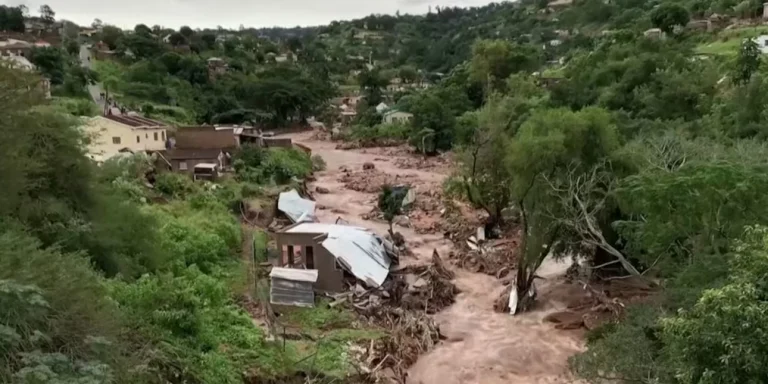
x=295, y=207
x=307, y=275
x=359, y=250
x=293, y=293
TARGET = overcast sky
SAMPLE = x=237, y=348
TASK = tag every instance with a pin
x=228, y=13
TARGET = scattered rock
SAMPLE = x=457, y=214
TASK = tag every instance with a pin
x=338, y=211
x=402, y=221
x=321, y=207
x=368, y=165
x=323, y=190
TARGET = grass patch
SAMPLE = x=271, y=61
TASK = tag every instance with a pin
x=334, y=330
x=729, y=42
x=316, y=320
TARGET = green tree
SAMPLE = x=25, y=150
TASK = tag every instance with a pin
x=176, y=39
x=747, y=62
x=494, y=60
x=186, y=31
x=110, y=35
x=719, y=339
x=668, y=15
x=142, y=29
x=47, y=15
x=372, y=84
x=552, y=145
x=390, y=203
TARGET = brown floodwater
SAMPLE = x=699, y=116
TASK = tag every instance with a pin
x=481, y=346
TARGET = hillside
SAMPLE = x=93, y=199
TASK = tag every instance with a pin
x=621, y=140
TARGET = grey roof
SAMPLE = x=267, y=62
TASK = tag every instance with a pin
x=306, y=275
x=360, y=251
x=292, y=287
x=295, y=207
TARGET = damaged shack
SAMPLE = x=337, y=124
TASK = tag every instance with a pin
x=292, y=287
x=335, y=251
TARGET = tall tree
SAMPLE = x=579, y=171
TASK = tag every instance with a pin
x=747, y=63
x=668, y=15
x=47, y=14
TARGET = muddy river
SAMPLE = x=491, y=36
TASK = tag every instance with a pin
x=482, y=346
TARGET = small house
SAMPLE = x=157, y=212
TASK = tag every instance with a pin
x=292, y=287
x=14, y=47
x=395, y=116
x=334, y=250
x=192, y=146
x=206, y=171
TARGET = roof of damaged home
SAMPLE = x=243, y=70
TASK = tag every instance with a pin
x=205, y=139
x=360, y=251
x=297, y=209
x=305, y=275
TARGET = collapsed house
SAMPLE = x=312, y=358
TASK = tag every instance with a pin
x=335, y=251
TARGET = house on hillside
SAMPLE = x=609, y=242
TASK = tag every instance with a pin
x=21, y=62
x=113, y=134
x=334, y=250
x=191, y=146
x=14, y=47
x=395, y=116
x=101, y=51
x=216, y=67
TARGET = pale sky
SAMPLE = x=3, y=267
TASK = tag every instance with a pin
x=229, y=13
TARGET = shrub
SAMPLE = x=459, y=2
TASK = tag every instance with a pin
x=174, y=184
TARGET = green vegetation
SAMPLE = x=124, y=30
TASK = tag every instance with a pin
x=632, y=151
x=100, y=285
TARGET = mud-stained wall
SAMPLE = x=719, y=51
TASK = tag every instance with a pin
x=329, y=276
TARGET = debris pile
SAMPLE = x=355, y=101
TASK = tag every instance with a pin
x=371, y=180
x=401, y=306
x=603, y=303
x=409, y=334
x=493, y=257
x=424, y=163
x=423, y=288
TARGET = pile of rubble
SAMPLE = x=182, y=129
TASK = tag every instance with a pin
x=356, y=144
x=409, y=335
x=492, y=257
x=443, y=161
x=423, y=288
x=604, y=302
x=371, y=180
x=401, y=306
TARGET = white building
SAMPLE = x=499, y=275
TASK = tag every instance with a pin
x=382, y=107
x=762, y=42
x=395, y=116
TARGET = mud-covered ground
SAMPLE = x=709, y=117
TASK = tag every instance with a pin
x=481, y=346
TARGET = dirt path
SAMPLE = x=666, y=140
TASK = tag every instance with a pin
x=482, y=346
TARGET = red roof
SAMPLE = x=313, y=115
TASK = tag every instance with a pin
x=136, y=121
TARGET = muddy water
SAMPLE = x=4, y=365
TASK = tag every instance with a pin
x=482, y=346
